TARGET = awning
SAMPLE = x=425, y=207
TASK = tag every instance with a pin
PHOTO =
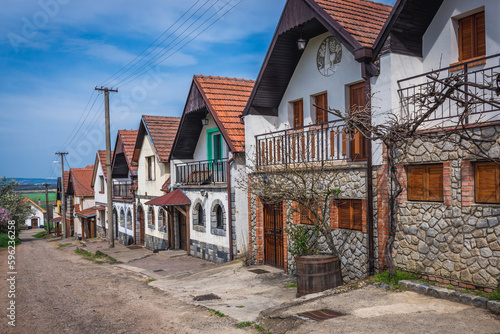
x=57, y=220
x=99, y=208
x=88, y=213
x=174, y=198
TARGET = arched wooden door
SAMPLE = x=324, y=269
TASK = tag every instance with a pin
x=274, y=253
x=140, y=213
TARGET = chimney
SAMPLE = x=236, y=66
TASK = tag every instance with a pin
x=39, y=203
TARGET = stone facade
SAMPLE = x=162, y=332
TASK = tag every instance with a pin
x=154, y=242
x=209, y=252
x=456, y=239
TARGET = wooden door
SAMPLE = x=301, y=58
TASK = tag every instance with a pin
x=34, y=222
x=141, y=225
x=273, y=235
x=182, y=231
x=358, y=104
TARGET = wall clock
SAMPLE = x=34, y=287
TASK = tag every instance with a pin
x=329, y=56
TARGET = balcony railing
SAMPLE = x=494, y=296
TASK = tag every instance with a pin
x=201, y=172
x=319, y=143
x=474, y=74
x=122, y=190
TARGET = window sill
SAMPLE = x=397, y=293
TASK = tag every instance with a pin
x=458, y=66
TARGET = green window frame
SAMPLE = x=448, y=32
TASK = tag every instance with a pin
x=212, y=134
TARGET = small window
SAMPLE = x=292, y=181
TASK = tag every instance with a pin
x=425, y=183
x=472, y=37
x=487, y=182
x=162, y=217
x=351, y=214
x=298, y=114
x=307, y=216
x=101, y=181
x=321, y=110
x=220, y=217
x=199, y=210
x=150, y=166
x=151, y=217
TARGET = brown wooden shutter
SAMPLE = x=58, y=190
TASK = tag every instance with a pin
x=416, y=183
x=278, y=150
x=321, y=114
x=344, y=143
x=434, y=182
x=344, y=214
x=357, y=214
x=358, y=103
x=487, y=182
x=298, y=114
x=480, y=35
x=332, y=143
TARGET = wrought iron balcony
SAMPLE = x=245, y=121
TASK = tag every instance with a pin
x=468, y=80
x=201, y=172
x=122, y=190
x=319, y=143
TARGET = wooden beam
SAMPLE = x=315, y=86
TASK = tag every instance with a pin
x=181, y=210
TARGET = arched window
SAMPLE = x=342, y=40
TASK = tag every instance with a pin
x=129, y=220
x=122, y=218
x=151, y=217
x=220, y=217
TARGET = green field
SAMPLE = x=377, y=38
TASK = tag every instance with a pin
x=35, y=196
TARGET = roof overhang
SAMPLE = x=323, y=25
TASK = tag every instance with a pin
x=175, y=198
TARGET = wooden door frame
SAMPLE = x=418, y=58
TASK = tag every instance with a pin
x=185, y=212
x=282, y=223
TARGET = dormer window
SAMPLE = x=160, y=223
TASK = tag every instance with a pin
x=472, y=37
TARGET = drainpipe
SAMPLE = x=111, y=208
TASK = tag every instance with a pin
x=369, y=177
x=229, y=210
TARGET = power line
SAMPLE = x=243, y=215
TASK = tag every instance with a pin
x=150, y=45
x=161, y=54
x=79, y=128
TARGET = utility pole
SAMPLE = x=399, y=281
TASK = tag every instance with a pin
x=109, y=189
x=47, y=206
x=63, y=198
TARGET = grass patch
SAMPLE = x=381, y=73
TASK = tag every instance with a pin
x=40, y=234
x=98, y=257
x=291, y=285
x=4, y=241
x=259, y=328
x=217, y=313
x=64, y=245
x=243, y=324
x=495, y=295
x=240, y=306
x=384, y=277
x=151, y=280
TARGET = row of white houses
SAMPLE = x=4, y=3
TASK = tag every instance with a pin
x=175, y=179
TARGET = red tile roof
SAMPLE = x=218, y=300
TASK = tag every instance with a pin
x=166, y=186
x=227, y=97
x=66, y=181
x=162, y=131
x=102, y=159
x=81, y=179
x=176, y=197
x=87, y=213
x=128, y=138
x=361, y=18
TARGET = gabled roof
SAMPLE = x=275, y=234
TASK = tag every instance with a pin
x=223, y=98
x=404, y=29
x=176, y=197
x=361, y=18
x=26, y=199
x=87, y=213
x=161, y=131
x=81, y=181
x=124, y=151
x=355, y=23
x=99, y=159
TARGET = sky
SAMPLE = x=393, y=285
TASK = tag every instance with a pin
x=53, y=53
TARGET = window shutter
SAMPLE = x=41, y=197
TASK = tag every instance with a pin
x=466, y=38
x=480, y=35
x=344, y=143
x=357, y=215
x=344, y=214
x=321, y=101
x=298, y=114
x=487, y=182
x=435, y=182
x=332, y=143
x=416, y=183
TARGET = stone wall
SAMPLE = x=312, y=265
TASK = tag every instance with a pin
x=456, y=239
x=209, y=252
x=154, y=242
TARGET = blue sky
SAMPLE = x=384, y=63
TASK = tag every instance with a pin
x=54, y=52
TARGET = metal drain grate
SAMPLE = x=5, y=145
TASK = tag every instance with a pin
x=320, y=315
x=134, y=247
x=158, y=270
x=259, y=271
x=210, y=296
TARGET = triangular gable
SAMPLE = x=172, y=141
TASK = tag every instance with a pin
x=122, y=155
x=404, y=29
x=355, y=23
x=161, y=131
x=34, y=204
x=224, y=99
x=100, y=159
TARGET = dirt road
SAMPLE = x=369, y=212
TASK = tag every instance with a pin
x=59, y=292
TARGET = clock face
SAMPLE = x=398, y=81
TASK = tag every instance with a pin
x=329, y=56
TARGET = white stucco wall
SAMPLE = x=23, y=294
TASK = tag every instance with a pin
x=99, y=197
x=162, y=171
x=238, y=174
x=124, y=206
x=35, y=212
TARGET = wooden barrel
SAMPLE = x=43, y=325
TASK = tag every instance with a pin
x=317, y=273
